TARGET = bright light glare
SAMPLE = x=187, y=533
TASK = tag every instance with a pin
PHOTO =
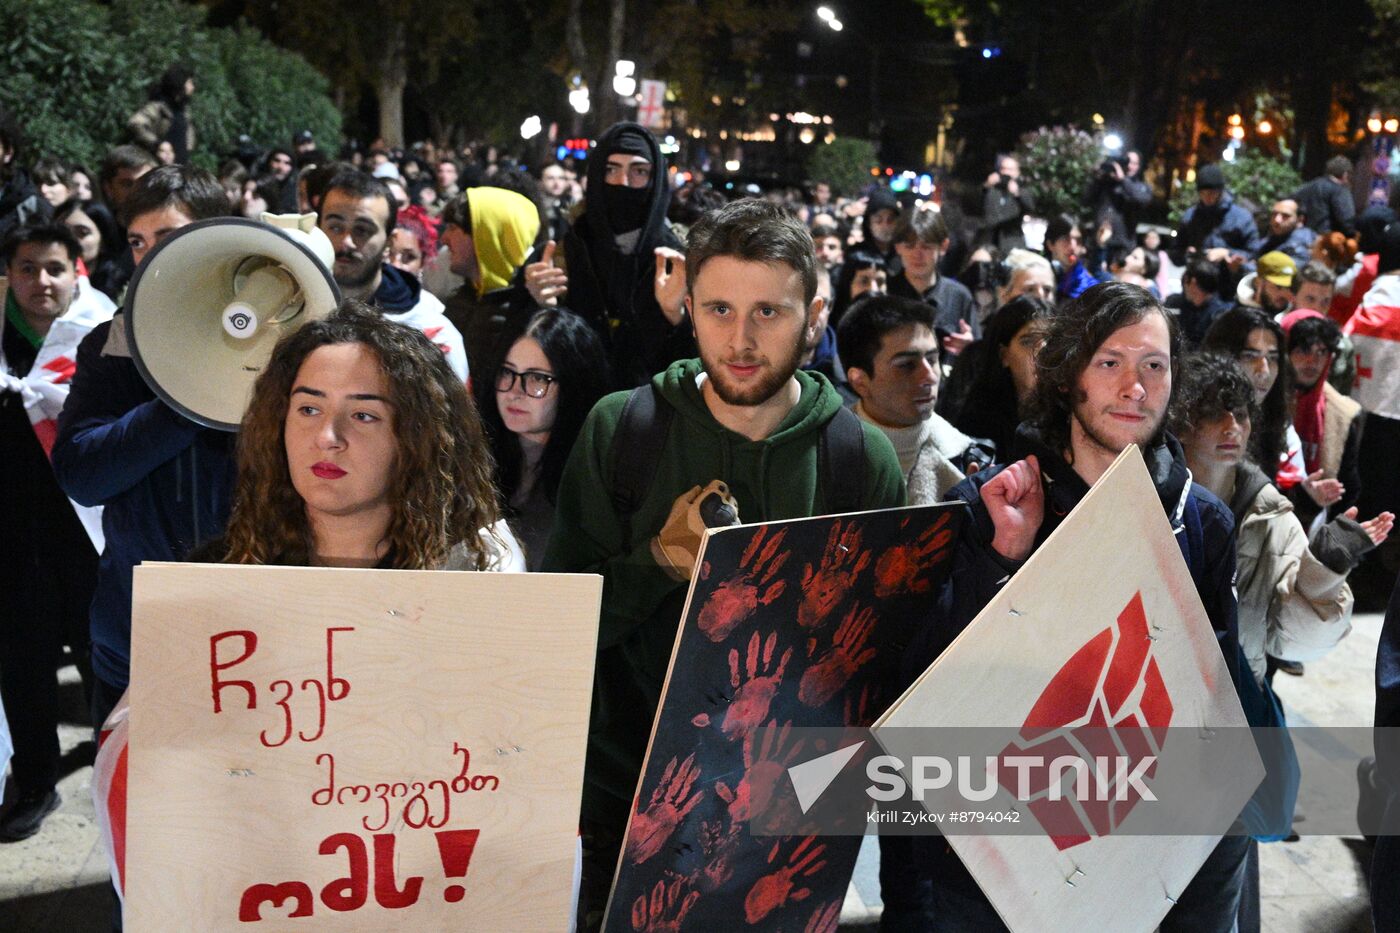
x=531, y=127
x=625, y=68
x=836, y=25
x=624, y=85
x=825, y=14
x=732, y=165
x=578, y=99
x=1112, y=142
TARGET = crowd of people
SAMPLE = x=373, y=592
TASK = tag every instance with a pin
x=553, y=369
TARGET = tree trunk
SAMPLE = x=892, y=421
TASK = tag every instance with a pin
x=390, y=83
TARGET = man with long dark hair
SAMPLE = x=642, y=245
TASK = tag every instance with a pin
x=1104, y=381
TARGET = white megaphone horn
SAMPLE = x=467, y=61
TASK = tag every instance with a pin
x=209, y=303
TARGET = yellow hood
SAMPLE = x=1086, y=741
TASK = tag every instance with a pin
x=504, y=225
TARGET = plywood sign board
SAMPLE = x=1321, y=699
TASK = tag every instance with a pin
x=787, y=625
x=356, y=749
x=1102, y=627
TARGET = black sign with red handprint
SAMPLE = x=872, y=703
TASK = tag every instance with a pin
x=788, y=626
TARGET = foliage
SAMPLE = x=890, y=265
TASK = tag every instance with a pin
x=77, y=69
x=1255, y=179
x=1057, y=164
x=844, y=163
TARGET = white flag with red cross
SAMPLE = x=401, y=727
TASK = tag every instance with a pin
x=1375, y=333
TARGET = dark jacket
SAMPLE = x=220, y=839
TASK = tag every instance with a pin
x=164, y=482
x=1195, y=320
x=489, y=324
x=1118, y=201
x=1223, y=225
x=21, y=203
x=1327, y=205
x=827, y=361
x=1297, y=245
x=952, y=303
x=613, y=290
x=1001, y=217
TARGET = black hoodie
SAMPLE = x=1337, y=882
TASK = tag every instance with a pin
x=612, y=289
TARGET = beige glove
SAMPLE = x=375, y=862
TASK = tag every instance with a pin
x=677, y=546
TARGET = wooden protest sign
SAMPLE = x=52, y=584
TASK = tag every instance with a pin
x=788, y=625
x=1102, y=627
x=356, y=749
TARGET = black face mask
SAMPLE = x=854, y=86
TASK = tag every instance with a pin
x=627, y=207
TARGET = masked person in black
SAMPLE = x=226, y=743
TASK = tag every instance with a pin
x=622, y=270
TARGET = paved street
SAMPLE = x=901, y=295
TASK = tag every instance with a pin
x=57, y=880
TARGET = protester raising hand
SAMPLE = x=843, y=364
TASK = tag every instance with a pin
x=1378, y=528
x=670, y=285
x=545, y=281
x=1016, y=503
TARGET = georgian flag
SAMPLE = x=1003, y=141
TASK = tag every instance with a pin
x=46, y=387
x=1375, y=333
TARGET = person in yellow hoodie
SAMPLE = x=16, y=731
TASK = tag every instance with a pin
x=489, y=233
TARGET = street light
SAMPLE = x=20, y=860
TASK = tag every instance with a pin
x=578, y=99
x=1265, y=127
x=825, y=14
x=836, y=25
x=531, y=127
x=1113, y=142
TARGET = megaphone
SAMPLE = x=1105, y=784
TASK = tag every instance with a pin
x=209, y=303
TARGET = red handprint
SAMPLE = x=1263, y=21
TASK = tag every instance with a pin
x=666, y=910
x=825, y=587
x=847, y=655
x=774, y=890
x=861, y=710
x=651, y=828
x=824, y=919
x=752, y=586
x=755, y=790
x=754, y=693
x=904, y=568
x=717, y=843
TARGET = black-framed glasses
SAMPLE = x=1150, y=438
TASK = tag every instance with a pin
x=535, y=383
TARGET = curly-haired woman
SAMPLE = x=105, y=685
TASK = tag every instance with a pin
x=361, y=448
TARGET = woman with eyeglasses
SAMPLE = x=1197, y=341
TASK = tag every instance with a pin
x=552, y=376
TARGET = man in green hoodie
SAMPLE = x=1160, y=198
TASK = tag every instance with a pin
x=743, y=415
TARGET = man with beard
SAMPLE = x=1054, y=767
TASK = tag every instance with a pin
x=743, y=423
x=1105, y=382
x=1287, y=233
x=1270, y=286
x=625, y=274
x=358, y=214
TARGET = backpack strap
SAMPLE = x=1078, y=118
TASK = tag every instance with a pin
x=637, y=445
x=841, y=463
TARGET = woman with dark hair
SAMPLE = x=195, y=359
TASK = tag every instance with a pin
x=861, y=274
x=550, y=379
x=994, y=377
x=361, y=448
x=1252, y=337
x=54, y=179
x=102, y=243
x=1064, y=247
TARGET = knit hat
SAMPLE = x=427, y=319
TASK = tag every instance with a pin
x=1209, y=176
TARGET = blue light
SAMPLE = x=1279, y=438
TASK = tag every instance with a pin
x=986, y=53
x=560, y=153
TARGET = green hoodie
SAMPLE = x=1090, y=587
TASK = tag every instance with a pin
x=772, y=479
